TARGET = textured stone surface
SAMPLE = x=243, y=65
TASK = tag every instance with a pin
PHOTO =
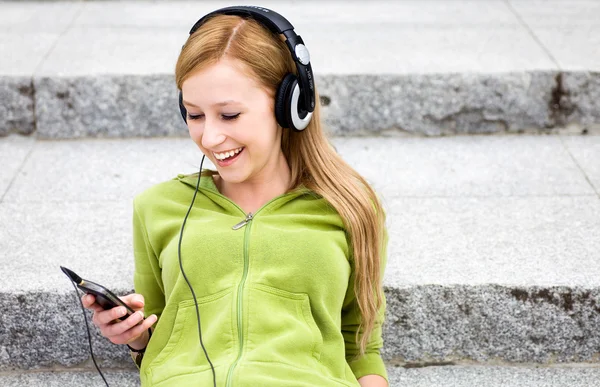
x=478, y=241
x=474, y=208
x=121, y=106
x=38, y=17
x=493, y=376
x=444, y=104
x=107, y=106
x=43, y=329
x=407, y=12
x=102, y=169
x=437, y=104
x=356, y=105
x=23, y=50
x=492, y=259
x=132, y=37
x=465, y=314
x=432, y=323
x=461, y=166
x=104, y=69
x=447, y=376
x=581, y=98
x=90, y=51
x=16, y=110
x=567, y=30
x=71, y=378
x=586, y=152
x=91, y=238
x=482, y=166
x=13, y=150
x=424, y=324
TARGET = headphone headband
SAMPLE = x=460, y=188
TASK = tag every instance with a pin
x=279, y=25
x=271, y=19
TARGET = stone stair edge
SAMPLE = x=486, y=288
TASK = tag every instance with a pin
x=433, y=104
x=425, y=324
x=448, y=376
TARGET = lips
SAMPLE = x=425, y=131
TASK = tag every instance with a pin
x=231, y=159
x=225, y=155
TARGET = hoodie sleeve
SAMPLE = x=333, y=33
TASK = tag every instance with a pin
x=371, y=363
x=147, y=278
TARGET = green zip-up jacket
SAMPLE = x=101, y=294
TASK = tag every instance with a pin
x=275, y=290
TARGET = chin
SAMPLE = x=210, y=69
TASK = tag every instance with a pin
x=232, y=177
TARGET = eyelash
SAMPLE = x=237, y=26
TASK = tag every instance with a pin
x=226, y=118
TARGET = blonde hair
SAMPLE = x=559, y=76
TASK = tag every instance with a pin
x=312, y=159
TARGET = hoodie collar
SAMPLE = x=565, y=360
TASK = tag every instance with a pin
x=208, y=183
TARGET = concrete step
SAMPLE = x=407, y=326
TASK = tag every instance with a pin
x=492, y=254
x=70, y=378
x=436, y=376
x=105, y=69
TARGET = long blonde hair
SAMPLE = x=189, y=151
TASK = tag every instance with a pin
x=312, y=159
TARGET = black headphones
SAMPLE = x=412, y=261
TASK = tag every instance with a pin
x=295, y=97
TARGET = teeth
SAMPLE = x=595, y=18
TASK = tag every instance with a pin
x=221, y=156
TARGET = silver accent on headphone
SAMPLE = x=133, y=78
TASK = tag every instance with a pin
x=299, y=123
x=302, y=54
x=255, y=7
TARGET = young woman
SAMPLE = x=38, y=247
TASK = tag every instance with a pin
x=284, y=246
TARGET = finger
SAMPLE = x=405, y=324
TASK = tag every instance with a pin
x=134, y=300
x=123, y=326
x=136, y=331
x=119, y=327
x=86, y=300
x=89, y=302
x=107, y=316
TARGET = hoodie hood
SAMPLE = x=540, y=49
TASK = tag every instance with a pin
x=208, y=183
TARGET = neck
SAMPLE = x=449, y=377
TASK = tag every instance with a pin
x=252, y=194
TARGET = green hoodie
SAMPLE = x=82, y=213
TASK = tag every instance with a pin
x=275, y=296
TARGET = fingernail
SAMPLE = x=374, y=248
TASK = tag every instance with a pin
x=122, y=311
x=140, y=314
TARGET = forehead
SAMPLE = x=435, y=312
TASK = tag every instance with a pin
x=224, y=80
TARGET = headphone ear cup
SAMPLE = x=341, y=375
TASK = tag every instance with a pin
x=283, y=101
x=182, y=108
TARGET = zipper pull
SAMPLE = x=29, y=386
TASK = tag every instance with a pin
x=243, y=222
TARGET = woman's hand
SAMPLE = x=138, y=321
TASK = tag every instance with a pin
x=132, y=331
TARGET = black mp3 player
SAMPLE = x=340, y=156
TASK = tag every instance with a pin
x=104, y=297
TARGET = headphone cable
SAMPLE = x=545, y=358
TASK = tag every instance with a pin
x=186, y=279
x=88, y=334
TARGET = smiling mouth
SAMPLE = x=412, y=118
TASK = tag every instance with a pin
x=229, y=154
x=230, y=159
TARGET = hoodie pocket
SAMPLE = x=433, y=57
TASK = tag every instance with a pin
x=182, y=353
x=281, y=328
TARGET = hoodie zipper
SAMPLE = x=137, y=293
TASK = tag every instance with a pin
x=246, y=221
x=243, y=222
x=240, y=293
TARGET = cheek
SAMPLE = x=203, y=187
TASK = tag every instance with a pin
x=269, y=129
x=196, y=135
x=265, y=146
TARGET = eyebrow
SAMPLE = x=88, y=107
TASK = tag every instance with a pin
x=229, y=101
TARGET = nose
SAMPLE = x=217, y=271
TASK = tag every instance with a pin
x=212, y=135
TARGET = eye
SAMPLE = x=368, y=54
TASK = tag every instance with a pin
x=230, y=117
x=196, y=117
